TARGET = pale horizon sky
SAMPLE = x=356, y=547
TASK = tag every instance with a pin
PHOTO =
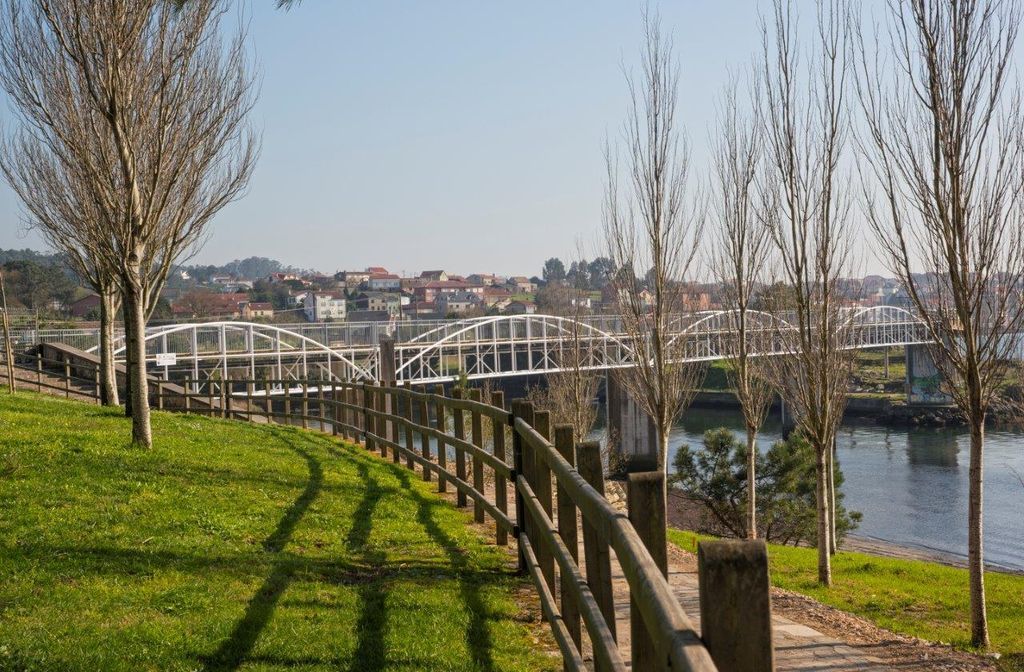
x=453, y=134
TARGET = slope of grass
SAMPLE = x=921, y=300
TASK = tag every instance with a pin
x=924, y=599
x=230, y=546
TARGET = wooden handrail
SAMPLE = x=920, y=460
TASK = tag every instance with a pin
x=358, y=410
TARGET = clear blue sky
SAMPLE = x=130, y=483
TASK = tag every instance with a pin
x=458, y=135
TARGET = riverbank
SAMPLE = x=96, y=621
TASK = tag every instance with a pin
x=889, y=410
x=888, y=549
x=687, y=514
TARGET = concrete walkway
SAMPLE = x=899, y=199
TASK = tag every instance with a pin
x=797, y=647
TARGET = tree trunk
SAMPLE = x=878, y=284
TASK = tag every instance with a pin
x=108, y=371
x=975, y=553
x=142, y=434
x=824, y=527
x=663, y=438
x=831, y=482
x=751, y=483
x=128, y=357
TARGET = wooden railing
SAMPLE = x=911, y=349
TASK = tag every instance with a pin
x=487, y=452
x=59, y=376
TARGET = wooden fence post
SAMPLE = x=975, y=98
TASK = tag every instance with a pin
x=410, y=440
x=424, y=437
x=735, y=604
x=595, y=547
x=498, y=448
x=393, y=402
x=542, y=488
x=460, y=455
x=645, y=500
x=248, y=400
x=305, y=405
x=187, y=397
x=223, y=400
x=159, y=395
x=344, y=398
x=367, y=442
x=441, y=424
x=96, y=381
x=336, y=399
x=67, y=379
x=268, y=402
x=476, y=423
x=380, y=425
x=39, y=369
x=567, y=531
x=519, y=471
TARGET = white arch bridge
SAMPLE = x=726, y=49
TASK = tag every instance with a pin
x=422, y=352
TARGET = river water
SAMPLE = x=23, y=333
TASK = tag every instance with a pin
x=911, y=483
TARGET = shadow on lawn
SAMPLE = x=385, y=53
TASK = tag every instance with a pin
x=371, y=578
x=236, y=647
x=478, y=635
x=370, y=654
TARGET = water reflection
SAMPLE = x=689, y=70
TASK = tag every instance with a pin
x=936, y=447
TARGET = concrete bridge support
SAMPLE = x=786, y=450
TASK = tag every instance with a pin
x=632, y=436
x=923, y=378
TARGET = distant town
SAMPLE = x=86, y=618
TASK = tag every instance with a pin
x=258, y=289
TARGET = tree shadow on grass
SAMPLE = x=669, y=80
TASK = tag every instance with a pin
x=478, y=634
x=370, y=654
x=233, y=651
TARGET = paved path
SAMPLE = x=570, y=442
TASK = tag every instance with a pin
x=797, y=647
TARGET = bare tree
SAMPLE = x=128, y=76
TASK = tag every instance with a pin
x=943, y=152
x=653, y=223
x=741, y=246
x=804, y=123
x=146, y=104
x=60, y=206
x=571, y=393
x=5, y=324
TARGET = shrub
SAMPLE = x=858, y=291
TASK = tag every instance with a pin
x=716, y=477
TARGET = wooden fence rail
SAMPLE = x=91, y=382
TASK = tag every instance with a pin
x=557, y=488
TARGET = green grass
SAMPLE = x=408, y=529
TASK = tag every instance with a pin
x=869, y=370
x=913, y=597
x=229, y=546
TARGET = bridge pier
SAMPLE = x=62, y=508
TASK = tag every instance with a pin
x=632, y=436
x=923, y=380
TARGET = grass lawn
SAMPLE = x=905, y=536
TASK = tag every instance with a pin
x=230, y=546
x=923, y=599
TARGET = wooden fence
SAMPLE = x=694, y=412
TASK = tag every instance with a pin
x=493, y=455
x=59, y=376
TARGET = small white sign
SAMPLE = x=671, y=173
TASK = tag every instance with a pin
x=166, y=358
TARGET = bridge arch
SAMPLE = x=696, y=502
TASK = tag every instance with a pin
x=281, y=342
x=484, y=337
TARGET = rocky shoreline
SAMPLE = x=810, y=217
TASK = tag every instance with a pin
x=883, y=411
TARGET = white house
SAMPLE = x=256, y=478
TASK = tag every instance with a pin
x=323, y=306
x=384, y=282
